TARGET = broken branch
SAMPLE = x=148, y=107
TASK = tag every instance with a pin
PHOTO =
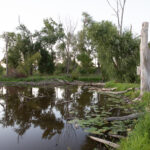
x=114, y=145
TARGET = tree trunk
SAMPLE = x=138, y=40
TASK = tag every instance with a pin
x=7, y=58
x=145, y=59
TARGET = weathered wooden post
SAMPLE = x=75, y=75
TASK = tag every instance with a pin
x=144, y=59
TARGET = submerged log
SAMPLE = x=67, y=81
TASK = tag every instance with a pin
x=111, y=144
x=65, y=102
x=129, y=117
x=80, y=83
x=100, y=90
x=116, y=136
x=32, y=97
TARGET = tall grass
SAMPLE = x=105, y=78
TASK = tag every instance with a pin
x=139, y=138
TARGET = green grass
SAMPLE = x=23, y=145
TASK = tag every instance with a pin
x=33, y=78
x=91, y=78
x=139, y=138
x=121, y=86
x=133, y=94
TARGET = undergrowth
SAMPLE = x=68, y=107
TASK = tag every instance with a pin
x=91, y=78
x=139, y=138
x=121, y=86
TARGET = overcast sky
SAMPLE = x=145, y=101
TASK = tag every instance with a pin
x=32, y=13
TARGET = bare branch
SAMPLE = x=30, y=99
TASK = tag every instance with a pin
x=122, y=14
x=111, y=7
x=120, y=4
x=119, y=12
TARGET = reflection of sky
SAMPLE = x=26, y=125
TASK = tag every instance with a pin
x=57, y=113
x=77, y=94
x=31, y=140
x=79, y=90
x=35, y=91
x=3, y=90
x=65, y=137
x=59, y=92
x=2, y=103
x=95, y=97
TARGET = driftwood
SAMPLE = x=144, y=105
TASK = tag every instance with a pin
x=32, y=97
x=129, y=117
x=65, y=102
x=114, y=145
x=137, y=99
x=86, y=84
x=116, y=136
x=119, y=92
x=101, y=89
x=110, y=91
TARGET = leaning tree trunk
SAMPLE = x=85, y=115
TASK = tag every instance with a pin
x=145, y=59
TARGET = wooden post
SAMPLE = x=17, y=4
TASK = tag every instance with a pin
x=145, y=59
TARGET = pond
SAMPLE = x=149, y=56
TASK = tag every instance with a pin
x=36, y=118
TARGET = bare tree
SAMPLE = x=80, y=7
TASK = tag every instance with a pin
x=119, y=12
x=145, y=59
x=69, y=29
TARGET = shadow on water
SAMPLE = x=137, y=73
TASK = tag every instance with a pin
x=35, y=118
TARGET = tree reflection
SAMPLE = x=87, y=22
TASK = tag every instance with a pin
x=26, y=107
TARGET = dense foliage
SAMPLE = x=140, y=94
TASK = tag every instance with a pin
x=97, y=48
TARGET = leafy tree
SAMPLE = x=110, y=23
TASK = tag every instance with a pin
x=118, y=54
x=50, y=34
x=46, y=63
x=66, y=48
x=30, y=62
x=85, y=47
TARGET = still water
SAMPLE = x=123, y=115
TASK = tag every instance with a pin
x=36, y=118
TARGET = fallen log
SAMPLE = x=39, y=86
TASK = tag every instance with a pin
x=129, y=117
x=116, y=136
x=86, y=84
x=32, y=97
x=101, y=89
x=111, y=144
x=104, y=91
x=119, y=92
x=65, y=102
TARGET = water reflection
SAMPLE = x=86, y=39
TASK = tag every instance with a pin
x=29, y=114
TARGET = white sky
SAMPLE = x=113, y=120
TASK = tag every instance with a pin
x=32, y=13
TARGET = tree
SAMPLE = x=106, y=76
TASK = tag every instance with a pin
x=6, y=37
x=47, y=39
x=145, y=59
x=66, y=47
x=85, y=46
x=28, y=52
x=31, y=62
x=119, y=12
x=118, y=54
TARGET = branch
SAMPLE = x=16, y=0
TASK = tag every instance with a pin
x=116, y=12
x=129, y=117
x=116, y=136
x=111, y=7
x=122, y=14
x=114, y=145
x=120, y=4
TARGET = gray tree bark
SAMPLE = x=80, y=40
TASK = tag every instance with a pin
x=145, y=59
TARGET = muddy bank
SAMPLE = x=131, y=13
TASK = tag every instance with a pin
x=54, y=82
